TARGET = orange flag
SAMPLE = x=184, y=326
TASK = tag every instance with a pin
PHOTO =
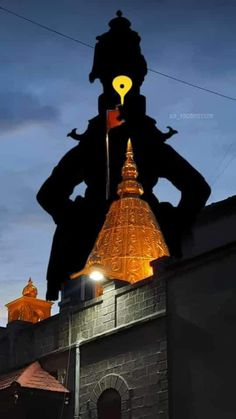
x=112, y=118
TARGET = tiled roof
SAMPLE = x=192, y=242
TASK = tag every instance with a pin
x=33, y=376
x=7, y=379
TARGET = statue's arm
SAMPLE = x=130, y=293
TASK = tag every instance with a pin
x=54, y=195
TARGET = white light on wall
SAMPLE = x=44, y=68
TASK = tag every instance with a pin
x=96, y=275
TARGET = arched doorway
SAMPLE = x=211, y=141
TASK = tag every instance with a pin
x=109, y=404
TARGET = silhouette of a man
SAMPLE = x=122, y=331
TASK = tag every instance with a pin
x=79, y=222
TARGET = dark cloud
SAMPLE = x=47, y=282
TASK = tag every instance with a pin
x=19, y=109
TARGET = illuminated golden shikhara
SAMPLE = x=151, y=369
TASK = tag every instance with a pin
x=130, y=237
x=28, y=307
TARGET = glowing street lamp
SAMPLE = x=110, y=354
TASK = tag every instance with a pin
x=96, y=275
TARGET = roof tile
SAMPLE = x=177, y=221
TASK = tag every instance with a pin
x=32, y=376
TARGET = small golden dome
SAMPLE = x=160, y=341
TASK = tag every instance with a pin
x=30, y=290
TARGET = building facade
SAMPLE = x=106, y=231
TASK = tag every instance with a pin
x=161, y=348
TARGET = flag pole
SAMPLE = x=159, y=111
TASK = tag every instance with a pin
x=108, y=165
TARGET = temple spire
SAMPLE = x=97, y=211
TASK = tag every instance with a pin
x=129, y=185
x=130, y=237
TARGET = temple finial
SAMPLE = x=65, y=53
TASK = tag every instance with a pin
x=30, y=290
x=119, y=22
x=129, y=185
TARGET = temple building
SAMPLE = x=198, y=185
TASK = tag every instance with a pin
x=146, y=327
x=29, y=307
x=162, y=347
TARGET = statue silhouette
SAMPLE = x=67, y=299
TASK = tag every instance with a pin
x=79, y=222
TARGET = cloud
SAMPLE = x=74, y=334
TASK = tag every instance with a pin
x=18, y=109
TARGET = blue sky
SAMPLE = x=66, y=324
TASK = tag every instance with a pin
x=44, y=92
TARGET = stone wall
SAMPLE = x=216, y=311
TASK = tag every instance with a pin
x=116, y=308
x=134, y=362
x=122, y=341
x=201, y=336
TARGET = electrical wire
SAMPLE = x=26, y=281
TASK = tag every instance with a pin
x=45, y=27
x=48, y=28
x=192, y=85
x=222, y=160
x=220, y=173
x=149, y=69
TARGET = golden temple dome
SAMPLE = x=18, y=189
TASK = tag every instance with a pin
x=29, y=308
x=130, y=237
x=30, y=290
